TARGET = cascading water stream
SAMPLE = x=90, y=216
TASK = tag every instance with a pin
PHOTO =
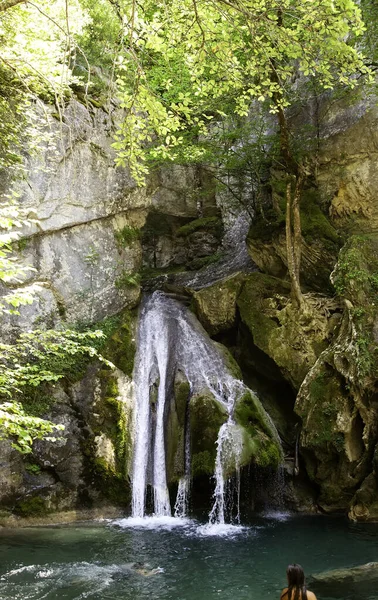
x=183, y=491
x=161, y=496
x=171, y=339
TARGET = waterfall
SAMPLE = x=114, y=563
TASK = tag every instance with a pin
x=229, y=449
x=183, y=491
x=170, y=338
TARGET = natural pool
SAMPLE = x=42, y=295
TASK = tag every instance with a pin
x=93, y=560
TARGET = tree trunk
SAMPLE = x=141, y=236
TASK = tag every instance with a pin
x=294, y=237
x=5, y=4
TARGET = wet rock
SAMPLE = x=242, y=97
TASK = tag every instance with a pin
x=207, y=415
x=175, y=427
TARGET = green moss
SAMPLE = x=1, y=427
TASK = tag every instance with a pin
x=355, y=278
x=114, y=422
x=181, y=393
x=127, y=235
x=266, y=239
x=31, y=507
x=203, y=463
x=251, y=302
x=262, y=445
x=37, y=401
x=111, y=479
x=315, y=225
x=213, y=224
x=323, y=403
x=33, y=468
x=204, y=261
x=269, y=455
x=357, y=267
x=231, y=364
x=250, y=414
x=127, y=279
x=113, y=485
x=207, y=416
x=22, y=244
x=120, y=346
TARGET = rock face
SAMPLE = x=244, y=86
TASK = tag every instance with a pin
x=328, y=352
x=337, y=400
x=88, y=463
x=215, y=305
x=79, y=205
x=347, y=162
x=84, y=247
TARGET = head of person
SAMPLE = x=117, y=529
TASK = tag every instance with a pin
x=295, y=576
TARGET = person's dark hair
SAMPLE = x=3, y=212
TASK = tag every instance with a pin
x=296, y=589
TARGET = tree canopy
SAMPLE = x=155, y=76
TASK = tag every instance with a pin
x=188, y=63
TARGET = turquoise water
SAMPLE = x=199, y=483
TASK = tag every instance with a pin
x=188, y=561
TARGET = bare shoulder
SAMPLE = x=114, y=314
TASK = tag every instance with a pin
x=310, y=595
x=284, y=592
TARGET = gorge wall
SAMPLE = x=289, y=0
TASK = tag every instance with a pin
x=97, y=238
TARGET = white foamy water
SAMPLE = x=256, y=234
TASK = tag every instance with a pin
x=152, y=522
x=220, y=530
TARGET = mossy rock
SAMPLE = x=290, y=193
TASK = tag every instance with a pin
x=229, y=361
x=336, y=401
x=207, y=415
x=260, y=441
x=215, y=305
x=113, y=485
x=34, y=506
x=175, y=429
x=292, y=339
x=356, y=280
x=108, y=450
x=319, y=409
x=203, y=463
x=120, y=348
x=181, y=397
x=210, y=224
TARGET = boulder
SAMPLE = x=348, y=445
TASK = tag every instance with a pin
x=354, y=582
x=215, y=305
